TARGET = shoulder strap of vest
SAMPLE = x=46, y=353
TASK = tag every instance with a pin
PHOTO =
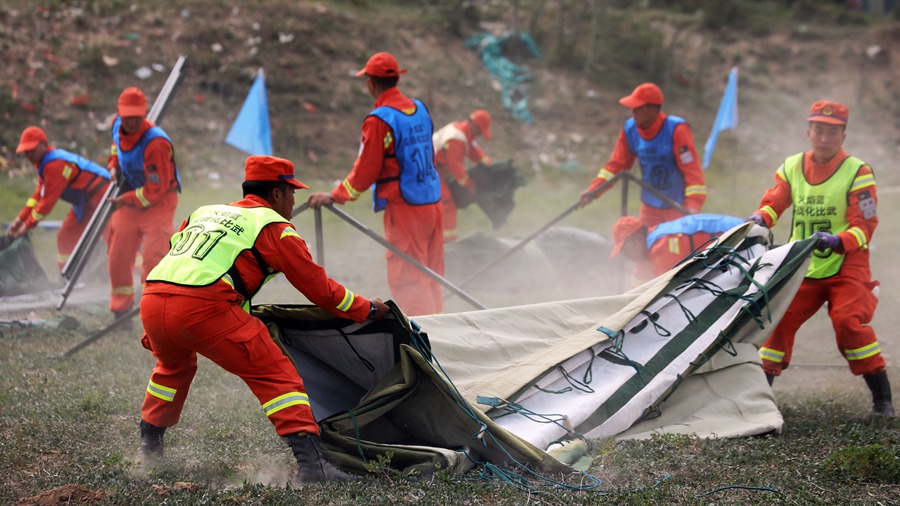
x=239, y=285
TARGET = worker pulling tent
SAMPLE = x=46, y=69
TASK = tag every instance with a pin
x=498, y=387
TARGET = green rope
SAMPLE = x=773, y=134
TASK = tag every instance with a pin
x=767, y=488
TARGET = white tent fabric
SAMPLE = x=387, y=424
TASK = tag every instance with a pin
x=501, y=354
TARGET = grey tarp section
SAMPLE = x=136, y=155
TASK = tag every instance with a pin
x=20, y=271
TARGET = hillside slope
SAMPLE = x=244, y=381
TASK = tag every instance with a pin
x=66, y=65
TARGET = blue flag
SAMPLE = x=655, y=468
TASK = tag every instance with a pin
x=251, y=131
x=726, y=118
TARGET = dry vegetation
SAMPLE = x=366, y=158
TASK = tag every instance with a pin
x=67, y=61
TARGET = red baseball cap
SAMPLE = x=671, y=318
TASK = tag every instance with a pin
x=825, y=111
x=482, y=118
x=625, y=227
x=646, y=93
x=270, y=168
x=381, y=65
x=132, y=102
x=31, y=137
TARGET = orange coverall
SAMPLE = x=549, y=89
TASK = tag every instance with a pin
x=851, y=303
x=56, y=178
x=146, y=221
x=450, y=161
x=414, y=229
x=686, y=156
x=182, y=321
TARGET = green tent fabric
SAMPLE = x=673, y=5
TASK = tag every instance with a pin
x=411, y=410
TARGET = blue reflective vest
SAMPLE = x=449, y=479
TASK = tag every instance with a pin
x=132, y=162
x=712, y=224
x=413, y=148
x=659, y=168
x=76, y=197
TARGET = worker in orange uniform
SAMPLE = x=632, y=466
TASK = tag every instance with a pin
x=197, y=300
x=61, y=175
x=834, y=199
x=661, y=248
x=452, y=145
x=396, y=154
x=664, y=145
x=142, y=161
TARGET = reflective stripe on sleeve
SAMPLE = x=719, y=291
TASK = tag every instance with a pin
x=780, y=174
x=289, y=232
x=352, y=192
x=605, y=174
x=139, y=193
x=697, y=189
x=771, y=355
x=862, y=182
x=285, y=401
x=165, y=393
x=347, y=301
x=860, y=237
x=771, y=212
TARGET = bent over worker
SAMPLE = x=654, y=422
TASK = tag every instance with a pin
x=834, y=198
x=664, y=145
x=142, y=161
x=452, y=145
x=661, y=248
x=61, y=175
x=197, y=300
x=397, y=156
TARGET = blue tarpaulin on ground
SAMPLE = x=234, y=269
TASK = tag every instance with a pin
x=251, y=131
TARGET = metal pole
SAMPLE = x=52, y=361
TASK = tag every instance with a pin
x=320, y=239
x=102, y=332
x=631, y=177
x=397, y=251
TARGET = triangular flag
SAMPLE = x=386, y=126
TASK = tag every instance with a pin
x=250, y=131
x=726, y=118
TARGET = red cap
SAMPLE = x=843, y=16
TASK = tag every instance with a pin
x=31, y=137
x=132, y=102
x=646, y=93
x=482, y=118
x=625, y=227
x=270, y=168
x=381, y=65
x=834, y=113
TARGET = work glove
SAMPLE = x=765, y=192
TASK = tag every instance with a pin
x=756, y=218
x=827, y=241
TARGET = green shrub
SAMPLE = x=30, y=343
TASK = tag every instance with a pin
x=870, y=463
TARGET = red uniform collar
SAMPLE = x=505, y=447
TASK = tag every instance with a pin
x=128, y=141
x=655, y=127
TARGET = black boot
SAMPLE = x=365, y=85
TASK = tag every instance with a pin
x=151, y=451
x=311, y=465
x=881, y=394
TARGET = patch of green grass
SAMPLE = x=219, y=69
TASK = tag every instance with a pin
x=873, y=463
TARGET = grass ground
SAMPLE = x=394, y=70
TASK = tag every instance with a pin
x=74, y=422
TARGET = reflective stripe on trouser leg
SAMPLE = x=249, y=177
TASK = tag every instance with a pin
x=284, y=401
x=165, y=393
